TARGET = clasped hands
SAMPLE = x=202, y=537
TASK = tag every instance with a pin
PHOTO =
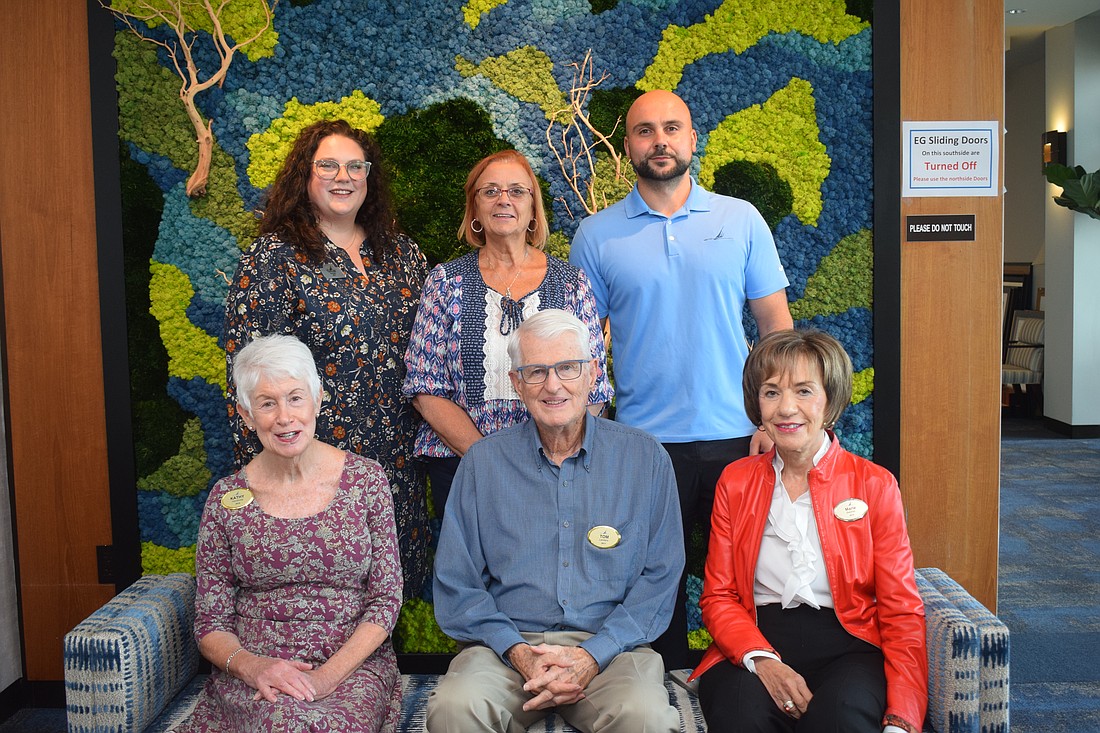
x=271, y=676
x=555, y=675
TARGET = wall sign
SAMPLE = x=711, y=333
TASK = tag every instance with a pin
x=947, y=228
x=950, y=158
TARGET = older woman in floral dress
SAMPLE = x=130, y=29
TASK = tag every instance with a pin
x=299, y=583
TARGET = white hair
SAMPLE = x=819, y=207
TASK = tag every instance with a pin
x=277, y=356
x=548, y=324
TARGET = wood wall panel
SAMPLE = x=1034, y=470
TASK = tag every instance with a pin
x=952, y=68
x=51, y=323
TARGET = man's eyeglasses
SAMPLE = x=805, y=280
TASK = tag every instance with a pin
x=492, y=193
x=327, y=169
x=567, y=371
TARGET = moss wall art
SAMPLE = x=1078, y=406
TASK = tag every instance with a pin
x=780, y=91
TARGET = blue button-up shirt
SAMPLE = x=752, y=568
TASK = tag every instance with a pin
x=514, y=553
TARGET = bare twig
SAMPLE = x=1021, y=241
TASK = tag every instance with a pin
x=172, y=13
x=575, y=145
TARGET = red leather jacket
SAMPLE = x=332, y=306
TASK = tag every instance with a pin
x=868, y=562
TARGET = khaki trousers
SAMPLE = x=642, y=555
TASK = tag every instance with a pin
x=481, y=693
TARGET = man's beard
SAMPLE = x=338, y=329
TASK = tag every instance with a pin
x=647, y=171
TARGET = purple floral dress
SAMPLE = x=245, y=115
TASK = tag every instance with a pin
x=357, y=327
x=298, y=589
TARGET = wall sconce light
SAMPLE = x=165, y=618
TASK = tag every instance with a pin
x=1054, y=148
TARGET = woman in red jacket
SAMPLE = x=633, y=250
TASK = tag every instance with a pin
x=810, y=593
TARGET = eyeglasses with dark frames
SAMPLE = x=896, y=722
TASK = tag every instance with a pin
x=567, y=371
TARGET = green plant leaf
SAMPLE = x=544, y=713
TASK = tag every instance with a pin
x=1090, y=185
x=1058, y=174
x=1080, y=190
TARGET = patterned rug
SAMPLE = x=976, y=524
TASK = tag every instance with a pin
x=1050, y=577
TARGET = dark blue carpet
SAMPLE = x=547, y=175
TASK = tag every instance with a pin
x=35, y=720
x=1050, y=577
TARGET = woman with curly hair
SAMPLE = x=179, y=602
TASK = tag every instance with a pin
x=331, y=268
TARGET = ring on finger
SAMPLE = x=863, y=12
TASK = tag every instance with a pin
x=789, y=706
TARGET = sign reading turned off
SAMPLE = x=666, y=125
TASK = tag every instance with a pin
x=950, y=158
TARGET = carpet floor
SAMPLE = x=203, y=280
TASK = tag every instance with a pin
x=1049, y=594
x=1049, y=583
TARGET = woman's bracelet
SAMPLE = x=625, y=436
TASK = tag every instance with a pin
x=230, y=659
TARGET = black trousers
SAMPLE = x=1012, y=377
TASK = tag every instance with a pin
x=697, y=467
x=845, y=675
x=441, y=474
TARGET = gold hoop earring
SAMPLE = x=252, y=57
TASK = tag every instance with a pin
x=532, y=226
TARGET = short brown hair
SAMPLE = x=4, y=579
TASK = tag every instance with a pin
x=780, y=351
x=536, y=238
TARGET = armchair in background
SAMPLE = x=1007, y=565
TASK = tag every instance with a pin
x=1022, y=369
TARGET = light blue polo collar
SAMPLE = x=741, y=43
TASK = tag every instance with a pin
x=698, y=200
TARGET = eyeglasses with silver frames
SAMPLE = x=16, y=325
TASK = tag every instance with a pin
x=492, y=193
x=327, y=169
x=567, y=371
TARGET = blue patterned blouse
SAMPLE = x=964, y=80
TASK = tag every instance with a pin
x=458, y=349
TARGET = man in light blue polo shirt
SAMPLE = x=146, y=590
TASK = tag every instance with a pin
x=672, y=266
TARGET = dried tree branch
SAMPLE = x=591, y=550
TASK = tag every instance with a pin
x=172, y=13
x=575, y=146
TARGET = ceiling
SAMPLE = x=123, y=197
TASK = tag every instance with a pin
x=1024, y=31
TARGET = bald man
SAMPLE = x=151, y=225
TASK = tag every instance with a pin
x=672, y=266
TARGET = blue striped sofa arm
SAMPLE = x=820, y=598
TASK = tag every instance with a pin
x=129, y=659
x=967, y=659
x=991, y=642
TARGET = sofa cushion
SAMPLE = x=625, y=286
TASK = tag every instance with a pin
x=992, y=638
x=127, y=661
x=953, y=663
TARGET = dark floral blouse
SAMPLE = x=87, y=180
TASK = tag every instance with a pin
x=358, y=329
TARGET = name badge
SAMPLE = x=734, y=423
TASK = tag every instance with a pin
x=333, y=271
x=237, y=499
x=604, y=537
x=850, y=510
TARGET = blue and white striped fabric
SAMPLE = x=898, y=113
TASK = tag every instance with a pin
x=127, y=661
x=992, y=638
x=1024, y=360
x=954, y=663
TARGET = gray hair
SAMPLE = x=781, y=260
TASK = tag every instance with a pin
x=277, y=356
x=546, y=325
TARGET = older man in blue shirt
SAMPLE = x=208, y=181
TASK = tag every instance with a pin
x=559, y=558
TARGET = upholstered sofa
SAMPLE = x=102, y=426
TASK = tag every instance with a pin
x=133, y=664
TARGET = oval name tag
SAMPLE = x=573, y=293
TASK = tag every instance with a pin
x=850, y=510
x=237, y=498
x=604, y=537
